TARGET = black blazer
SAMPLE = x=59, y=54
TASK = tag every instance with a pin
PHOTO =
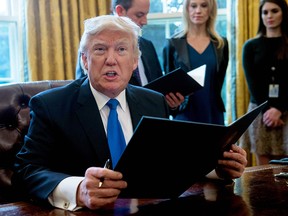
x=66, y=134
x=149, y=58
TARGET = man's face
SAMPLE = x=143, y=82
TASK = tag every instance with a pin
x=110, y=61
x=137, y=12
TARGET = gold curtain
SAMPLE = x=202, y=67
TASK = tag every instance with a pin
x=247, y=24
x=54, y=29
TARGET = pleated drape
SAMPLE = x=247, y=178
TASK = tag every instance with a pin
x=54, y=29
x=247, y=24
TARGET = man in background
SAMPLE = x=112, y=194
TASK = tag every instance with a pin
x=149, y=67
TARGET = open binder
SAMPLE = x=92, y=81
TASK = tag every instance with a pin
x=165, y=157
x=177, y=81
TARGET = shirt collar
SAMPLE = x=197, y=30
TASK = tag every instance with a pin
x=102, y=99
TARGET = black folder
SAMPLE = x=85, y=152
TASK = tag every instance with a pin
x=175, y=81
x=165, y=157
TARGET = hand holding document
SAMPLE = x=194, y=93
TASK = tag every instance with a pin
x=179, y=81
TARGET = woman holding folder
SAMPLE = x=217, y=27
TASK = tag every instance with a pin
x=198, y=44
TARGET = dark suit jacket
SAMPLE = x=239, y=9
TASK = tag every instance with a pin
x=149, y=58
x=175, y=54
x=66, y=134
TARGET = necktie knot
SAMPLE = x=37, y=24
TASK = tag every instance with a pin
x=113, y=103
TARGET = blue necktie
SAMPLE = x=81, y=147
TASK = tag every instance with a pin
x=115, y=134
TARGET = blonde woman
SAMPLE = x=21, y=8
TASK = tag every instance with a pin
x=197, y=44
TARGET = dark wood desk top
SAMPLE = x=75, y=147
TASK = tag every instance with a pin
x=257, y=192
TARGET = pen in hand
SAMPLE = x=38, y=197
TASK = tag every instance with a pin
x=107, y=166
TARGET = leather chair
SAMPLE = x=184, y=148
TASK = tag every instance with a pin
x=14, y=123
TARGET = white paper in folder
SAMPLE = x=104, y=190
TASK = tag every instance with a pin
x=198, y=74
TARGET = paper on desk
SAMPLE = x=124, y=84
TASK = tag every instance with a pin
x=198, y=74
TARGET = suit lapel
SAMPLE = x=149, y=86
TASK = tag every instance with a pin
x=219, y=55
x=91, y=122
x=183, y=55
x=134, y=106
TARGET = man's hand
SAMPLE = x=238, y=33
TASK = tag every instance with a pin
x=233, y=163
x=90, y=195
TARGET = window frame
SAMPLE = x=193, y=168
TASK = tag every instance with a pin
x=12, y=19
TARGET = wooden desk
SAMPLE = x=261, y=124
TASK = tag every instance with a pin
x=257, y=192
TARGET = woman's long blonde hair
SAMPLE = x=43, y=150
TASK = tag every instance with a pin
x=210, y=26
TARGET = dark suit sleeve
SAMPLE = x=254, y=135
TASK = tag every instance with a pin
x=32, y=175
x=63, y=140
x=168, y=58
x=150, y=60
